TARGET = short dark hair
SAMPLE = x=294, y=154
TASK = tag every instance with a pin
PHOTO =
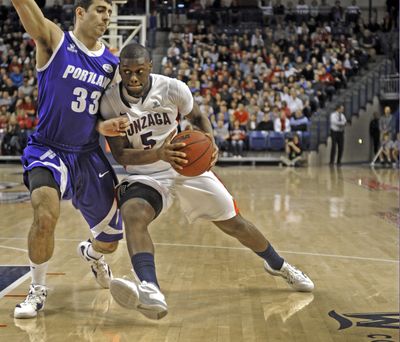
x=86, y=3
x=134, y=51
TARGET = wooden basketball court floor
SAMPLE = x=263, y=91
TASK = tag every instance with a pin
x=338, y=225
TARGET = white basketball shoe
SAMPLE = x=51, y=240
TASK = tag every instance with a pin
x=33, y=302
x=143, y=297
x=294, y=277
x=99, y=267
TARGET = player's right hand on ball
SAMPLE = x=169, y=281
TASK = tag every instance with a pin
x=170, y=153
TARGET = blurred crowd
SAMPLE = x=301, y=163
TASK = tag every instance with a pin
x=270, y=74
x=274, y=74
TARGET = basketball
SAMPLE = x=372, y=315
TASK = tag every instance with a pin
x=198, y=149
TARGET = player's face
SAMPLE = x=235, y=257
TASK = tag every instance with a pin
x=97, y=17
x=135, y=75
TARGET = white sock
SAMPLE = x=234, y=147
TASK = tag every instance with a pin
x=38, y=273
x=93, y=253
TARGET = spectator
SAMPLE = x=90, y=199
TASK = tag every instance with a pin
x=294, y=103
x=328, y=81
x=252, y=123
x=368, y=43
x=293, y=151
x=337, y=12
x=221, y=135
x=5, y=99
x=256, y=39
x=395, y=151
x=302, y=12
x=353, y=12
x=25, y=89
x=13, y=141
x=350, y=65
x=241, y=115
x=10, y=88
x=238, y=136
x=298, y=122
x=26, y=112
x=282, y=123
x=337, y=124
x=385, y=154
x=152, y=30
x=374, y=132
x=338, y=73
x=386, y=123
x=266, y=124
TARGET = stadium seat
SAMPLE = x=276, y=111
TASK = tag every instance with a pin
x=305, y=140
x=258, y=140
x=276, y=141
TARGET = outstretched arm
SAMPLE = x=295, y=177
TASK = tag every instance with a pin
x=46, y=34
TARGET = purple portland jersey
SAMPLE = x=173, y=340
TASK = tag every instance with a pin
x=70, y=87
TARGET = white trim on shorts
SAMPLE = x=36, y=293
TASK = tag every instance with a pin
x=62, y=169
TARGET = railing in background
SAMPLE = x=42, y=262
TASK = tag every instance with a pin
x=389, y=87
x=356, y=97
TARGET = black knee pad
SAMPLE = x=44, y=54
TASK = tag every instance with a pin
x=127, y=191
x=40, y=176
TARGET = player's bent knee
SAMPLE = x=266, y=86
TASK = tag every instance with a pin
x=138, y=199
x=105, y=247
x=138, y=210
x=45, y=219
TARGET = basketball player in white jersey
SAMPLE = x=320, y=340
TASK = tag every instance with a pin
x=152, y=103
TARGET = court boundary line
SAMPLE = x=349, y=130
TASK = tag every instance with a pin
x=230, y=248
x=14, y=248
x=16, y=283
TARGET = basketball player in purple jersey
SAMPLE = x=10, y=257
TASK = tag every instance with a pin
x=63, y=159
x=152, y=102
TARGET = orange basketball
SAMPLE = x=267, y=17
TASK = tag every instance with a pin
x=198, y=149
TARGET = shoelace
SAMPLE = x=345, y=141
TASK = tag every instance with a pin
x=101, y=266
x=292, y=274
x=34, y=298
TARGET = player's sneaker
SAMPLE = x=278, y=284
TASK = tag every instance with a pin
x=33, y=302
x=143, y=297
x=294, y=277
x=99, y=267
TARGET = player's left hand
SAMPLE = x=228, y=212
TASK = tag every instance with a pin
x=114, y=127
x=214, y=156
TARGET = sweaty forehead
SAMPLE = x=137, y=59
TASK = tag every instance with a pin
x=134, y=62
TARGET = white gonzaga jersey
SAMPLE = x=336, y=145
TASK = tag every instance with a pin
x=152, y=118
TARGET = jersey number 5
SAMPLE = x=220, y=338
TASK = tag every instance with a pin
x=79, y=106
x=146, y=142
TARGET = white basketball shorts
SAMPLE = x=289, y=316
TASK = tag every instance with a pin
x=201, y=197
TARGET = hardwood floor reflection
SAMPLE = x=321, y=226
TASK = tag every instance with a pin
x=340, y=226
